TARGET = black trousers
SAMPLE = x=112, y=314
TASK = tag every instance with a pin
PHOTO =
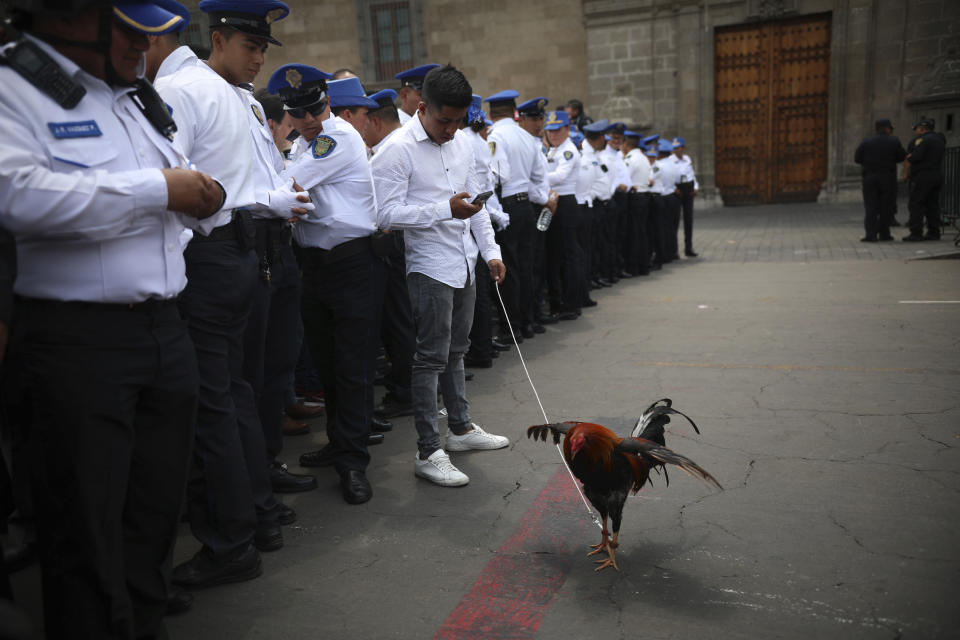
x=271, y=347
x=636, y=247
x=686, y=202
x=113, y=397
x=656, y=230
x=340, y=303
x=229, y=486
x=397, y=333
x=672, y=207
x=517, y=247
x=924, y=203
x=569, y=266
x=481, y=333
x=585, y=237
x=621, y=199
x=611, y=246
x=879, y=201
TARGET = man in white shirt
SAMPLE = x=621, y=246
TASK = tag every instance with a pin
x=636, y=249
x=411, y=84
x=603, y=206
x=566, y=258
x=616, y=229
x=89, y=187
x=230, y=501
x=688, y=188
x=666, y=175
x=424, y=180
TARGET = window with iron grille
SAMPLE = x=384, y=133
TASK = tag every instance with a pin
x=392, y=40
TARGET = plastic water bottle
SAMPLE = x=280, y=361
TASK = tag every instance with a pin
x=543, y=222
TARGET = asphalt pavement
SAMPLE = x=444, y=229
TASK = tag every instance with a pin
x=824, y=374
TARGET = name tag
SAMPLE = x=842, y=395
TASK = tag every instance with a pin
x=81, y=129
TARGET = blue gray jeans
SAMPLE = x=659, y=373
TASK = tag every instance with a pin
x=442, y=316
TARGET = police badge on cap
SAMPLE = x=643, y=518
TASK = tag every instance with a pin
x=252, y=17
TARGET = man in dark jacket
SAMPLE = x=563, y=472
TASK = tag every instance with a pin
x=878, y=155
x=926, y=178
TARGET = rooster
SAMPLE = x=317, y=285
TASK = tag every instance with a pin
x=610, y=467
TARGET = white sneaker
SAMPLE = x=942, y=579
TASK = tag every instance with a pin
x=442, y=413
x=477, y=439
x=439, y=470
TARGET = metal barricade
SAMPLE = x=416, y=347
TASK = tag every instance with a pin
x=950, y=193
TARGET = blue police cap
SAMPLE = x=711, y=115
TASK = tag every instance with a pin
x=679, y=142
x=650, y=152
x=503, y=96
x=557, y=120
x=153, y=18
x=631, y=134
x=348, y=92
x=384, y=98
x=414, y=77
x=665, y=146
x=299, y=85
x=252, y=17
x=617, y=127
x=575, y=135
x=650, y=139
x=534, y=107
x=597, y=127
x=475, y=112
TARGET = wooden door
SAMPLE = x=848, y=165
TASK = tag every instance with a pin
x=771, y=92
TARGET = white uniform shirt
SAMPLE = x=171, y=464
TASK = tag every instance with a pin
x=380, y=145
x=268, y=162
x=604, y=185
x=335, y=170
x=615, y=164
x=415, y=179
x=588, y=172
x=404, y=118
x=212, y=129
x=483, y=158
x=639, y=168
x=539, y=188
x=523, y=156
x=687, y=173
x=82, y=192
x=563, y=166
x=666, y=175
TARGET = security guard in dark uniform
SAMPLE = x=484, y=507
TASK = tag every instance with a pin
x=879, y=155
x=88, y=189
x=926, y=179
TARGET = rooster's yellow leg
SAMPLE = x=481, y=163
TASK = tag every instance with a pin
x=611, y=560
x=604, y=539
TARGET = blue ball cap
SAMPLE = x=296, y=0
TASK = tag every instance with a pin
x=298, y=85
x=650, y=139
x=414, y=77
x=348, y=92
x=597, y=127
x=384, y=98
x=534, y=107
x=153, y=18
x=503, y=96
x=557, y=120
x=665, y=146
x=252, y=17
x=679, y=142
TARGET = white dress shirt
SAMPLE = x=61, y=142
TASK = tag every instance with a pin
x=523, y=155
x=267, y=166
x=604, y=185
x=404, y=118
x=483, y=158
x=82, y=192
x=563, y=165
x=334, y=168
x=212, y=129
x=380, y=145
x=415, y=179
x=639, y=167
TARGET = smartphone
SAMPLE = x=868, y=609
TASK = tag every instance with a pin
x=482, y=198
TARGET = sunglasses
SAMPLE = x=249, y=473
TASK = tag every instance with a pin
x=314, y=109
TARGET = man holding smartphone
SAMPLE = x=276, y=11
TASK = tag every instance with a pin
x=425, y=179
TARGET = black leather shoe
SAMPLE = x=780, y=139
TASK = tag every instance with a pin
x=283, y=481
x=568, y=315
x=467, y=376
x=285, y=515
x=178, y=601
x=320, y=458
x=375, y=438
x=477, y=363
x=868, y=239
x=206, y=570
x=538, y=328
x=494, y=353
x=268, y=537
x=603, y=282
x=913, y=238
x=547, y=319
x=527, y=331
x=690, y=253
x=355, y=486
x=500, y=345
x=885, y=238
x=590, y=302
x=391, y=407
x=379, y=425
x=932, y=236
x=625, y=274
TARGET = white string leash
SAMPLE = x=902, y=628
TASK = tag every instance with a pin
x=546, y=420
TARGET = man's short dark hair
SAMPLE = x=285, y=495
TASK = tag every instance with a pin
x=447, y=87
x=575, y=104
x=272, y=105
x=386, y=114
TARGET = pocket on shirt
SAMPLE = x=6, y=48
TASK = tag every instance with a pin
x=82, y=153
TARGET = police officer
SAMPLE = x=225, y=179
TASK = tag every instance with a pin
x=878, y=155
x=88, y=188
x=666, y=175
x=231, y=506
x=687, y=187
x=601, y=194
x=341, y=275
x=926, y=179
x=411, y=83
x=566, y=257
x=636, y=249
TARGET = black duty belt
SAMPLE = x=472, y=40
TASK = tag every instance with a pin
x=517, y=197
x=338, y=253
x=151, y=305
x=240, y=229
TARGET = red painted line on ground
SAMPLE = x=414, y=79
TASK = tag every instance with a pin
x=516, y=588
